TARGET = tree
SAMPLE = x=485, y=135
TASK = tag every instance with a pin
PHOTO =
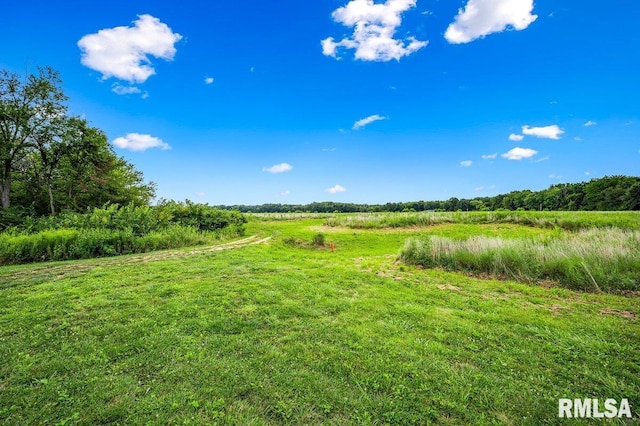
x=91, y=174
x=52, y=143
x=27, y=107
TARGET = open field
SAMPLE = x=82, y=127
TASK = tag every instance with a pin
x=277, y=330
x=569, y=220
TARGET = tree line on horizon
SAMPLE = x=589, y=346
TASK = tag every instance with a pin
x=609, y=193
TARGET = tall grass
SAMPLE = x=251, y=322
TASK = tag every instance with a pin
x=67, y=244
x=269, y=217
x=592, y=260
x=114, y=230
x=564, y=220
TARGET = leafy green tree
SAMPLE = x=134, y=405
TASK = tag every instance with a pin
x=27, y=107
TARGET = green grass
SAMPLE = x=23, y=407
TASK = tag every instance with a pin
x=281, y=333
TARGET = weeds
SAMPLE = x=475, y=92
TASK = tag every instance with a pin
x=571, y=221
x=592, y=260
x=115, y=230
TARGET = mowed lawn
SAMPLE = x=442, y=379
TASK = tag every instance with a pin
x=284, y=332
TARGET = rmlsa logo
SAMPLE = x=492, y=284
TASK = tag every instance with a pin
x=590, y=408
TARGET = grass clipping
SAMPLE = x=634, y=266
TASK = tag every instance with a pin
x=590, y=260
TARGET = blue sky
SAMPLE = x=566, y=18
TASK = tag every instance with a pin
x=359, y=101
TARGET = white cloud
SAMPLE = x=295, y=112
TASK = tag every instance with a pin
x=336, y=189
x=554, y=176
x=367, y=120
x=577, y=139
x=278, y=168
x=515, y=138
x=123, y=52
x=540, y=160
x=138, y=142
x=483, y=17
x=375, y=25
x=208, y=80
x=328, y=149
x=548, y=132
x=489, y=156
x=200, y=194
x=124, y=90
x=587, y=173
x=466, y=163
x=519, y=153
x=590, y=123
x=482, y=188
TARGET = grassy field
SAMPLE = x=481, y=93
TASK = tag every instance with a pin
x=568, y=220
x=276, y=330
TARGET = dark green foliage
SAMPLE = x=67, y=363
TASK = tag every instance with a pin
x=610, y=193
x=51, y=161
x=201, y=216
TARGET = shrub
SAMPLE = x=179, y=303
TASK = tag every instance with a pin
x=318, y=240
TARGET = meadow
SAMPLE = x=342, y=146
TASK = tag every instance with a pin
x=287, y=327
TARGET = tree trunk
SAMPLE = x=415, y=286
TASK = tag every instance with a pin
x=5, y=187
x=53, y=209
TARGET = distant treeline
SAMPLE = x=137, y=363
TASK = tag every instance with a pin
x=610, y=193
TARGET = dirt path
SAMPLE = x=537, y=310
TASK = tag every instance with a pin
x=61, y=270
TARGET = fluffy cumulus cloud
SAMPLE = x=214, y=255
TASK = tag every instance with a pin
x=489, y=156
x=367, y=120
x=590, y=123
x=208, y=80
x=138, y=142
x=547, y=132
x=374, y=28
x=278, y=168
x=123, y=52
x=466, y=163
x=515, y=138
x=336, y=189
x=480, y=18
x=519, y=153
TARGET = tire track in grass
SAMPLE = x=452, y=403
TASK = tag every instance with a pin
x=64, y=268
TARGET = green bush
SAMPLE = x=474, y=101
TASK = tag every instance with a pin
x=318, y=240
x=202, y=216
x=114, y=230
